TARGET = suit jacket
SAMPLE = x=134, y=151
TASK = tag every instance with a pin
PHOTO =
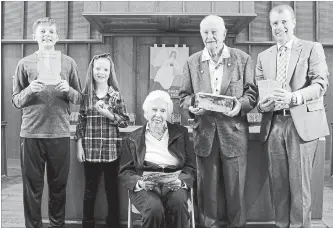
x=238, y=81
x=308, y=74
x=135, y=148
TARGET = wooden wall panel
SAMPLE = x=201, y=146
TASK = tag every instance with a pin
x=143, y=45
x=91, y=6
x=328, y=100
x=80, y=54
x=145, y=6
x=123, y=59
x=115, y=6
x=30, y=48
x=10, y=55
x=78, y=26
x=305, y=28
x=325, y=21
x=169, y=6
x=247, y=6
x=100, y=48
x=275, y=3
x=260, y=28
x=226, y=7
x=198, y=7
x=33, y=11
x=243, y=35
x=59, y=11
x=13, y=20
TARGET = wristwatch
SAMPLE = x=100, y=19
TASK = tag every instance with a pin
x=293, y=99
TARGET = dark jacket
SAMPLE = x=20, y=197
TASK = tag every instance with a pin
x=135, y=149
x=237, y=81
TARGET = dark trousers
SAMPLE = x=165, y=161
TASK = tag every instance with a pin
x=92, y=173
x=290, y=169
x=35, y=153
x=220, y=189
x=171, y=209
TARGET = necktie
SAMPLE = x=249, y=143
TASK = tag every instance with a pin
x=281, y=72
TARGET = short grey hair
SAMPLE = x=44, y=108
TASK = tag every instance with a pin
x=213, y=17
x=153, y=96
x=283, y=8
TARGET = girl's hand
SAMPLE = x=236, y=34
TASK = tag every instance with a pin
x=102, y=109
x=80, y=152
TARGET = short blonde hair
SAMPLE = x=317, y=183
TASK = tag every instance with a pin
x=153, y=96
x=282, y=8
x=43, y=20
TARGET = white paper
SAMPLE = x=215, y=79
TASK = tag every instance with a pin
x=267, y=87
x=49, y=67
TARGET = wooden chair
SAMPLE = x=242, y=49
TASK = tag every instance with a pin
x=132, y=209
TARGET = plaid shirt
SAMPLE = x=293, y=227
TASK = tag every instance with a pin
x=100, y=135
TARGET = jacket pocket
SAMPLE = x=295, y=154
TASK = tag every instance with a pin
x=315, y=106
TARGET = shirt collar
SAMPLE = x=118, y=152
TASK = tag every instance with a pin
x=225, y=54
x=289, y=44
x=165, y=127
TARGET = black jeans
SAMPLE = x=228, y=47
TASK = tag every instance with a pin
x=92, y=172
x=35, y=153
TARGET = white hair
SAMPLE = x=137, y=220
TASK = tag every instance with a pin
x=153, y=96
x=215, y=18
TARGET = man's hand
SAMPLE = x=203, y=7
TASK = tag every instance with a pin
x=267, y=104
x=147, y=185
x=174, y=185
x=196, y=111
x=62, y=86
x=236, y=109
x=37, y=86
x=282, y=96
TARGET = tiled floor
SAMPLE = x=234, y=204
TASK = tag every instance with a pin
x=12, y=205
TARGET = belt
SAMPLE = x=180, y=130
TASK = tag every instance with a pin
x=283, y=112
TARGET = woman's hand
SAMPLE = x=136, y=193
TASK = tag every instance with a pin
x=80, y=152
x=174, y=185
x=147, y=185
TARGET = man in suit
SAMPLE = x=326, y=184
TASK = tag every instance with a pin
x=220, y=139
x=293, y=117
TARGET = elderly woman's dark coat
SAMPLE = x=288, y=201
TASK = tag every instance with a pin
x=133, y=168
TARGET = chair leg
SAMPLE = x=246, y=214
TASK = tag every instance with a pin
x=129, y=215
x=192, y=212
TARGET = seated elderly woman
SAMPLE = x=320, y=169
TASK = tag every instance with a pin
x=159, y=146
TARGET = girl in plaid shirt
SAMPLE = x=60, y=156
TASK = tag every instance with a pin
x=101, y=113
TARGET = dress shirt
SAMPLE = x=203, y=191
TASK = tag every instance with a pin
x=215, y=69
x=289, y=46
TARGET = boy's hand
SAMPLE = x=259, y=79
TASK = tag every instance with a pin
x=37, y=86
x=62, y=86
